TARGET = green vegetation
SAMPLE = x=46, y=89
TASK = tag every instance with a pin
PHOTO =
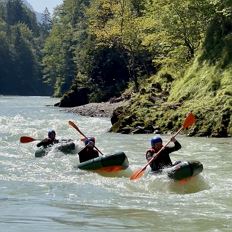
x=169, y=56
x=204, y=87
x=200, y=81
x=20, y=51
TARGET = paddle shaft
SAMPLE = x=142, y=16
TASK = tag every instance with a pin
x=76, y=127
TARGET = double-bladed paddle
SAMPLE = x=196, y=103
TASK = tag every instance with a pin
x=189, y=121
x=27, y=139
x=76, y=127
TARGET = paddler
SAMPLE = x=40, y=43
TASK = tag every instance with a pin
x=50, y=140
x=88, y=152
x=163, y=159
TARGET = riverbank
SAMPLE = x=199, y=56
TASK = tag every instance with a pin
x=103, y=109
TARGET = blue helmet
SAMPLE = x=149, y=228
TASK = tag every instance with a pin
x=155, y=140
x=92, y=139
x=50, y=133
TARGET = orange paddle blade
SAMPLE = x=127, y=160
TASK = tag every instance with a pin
x=76, y=127
x=73, y=125
x=26, y=139
x=189, y=121
x=137, y=174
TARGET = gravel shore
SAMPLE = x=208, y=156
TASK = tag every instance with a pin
x=103, y=109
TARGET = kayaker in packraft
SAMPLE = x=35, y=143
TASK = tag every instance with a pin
x=88, y=152
x=48, y=141
x=163, y=159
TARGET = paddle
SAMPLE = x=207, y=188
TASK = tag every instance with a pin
x=189, y=121
x=27, y=139
x=76, y=127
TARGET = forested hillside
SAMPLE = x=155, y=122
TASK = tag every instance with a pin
x=201, y=82
x=168, y=57
x=105, y=45
x=205, y=88
x=172, y=56
x=21, y=42
x=95, y=45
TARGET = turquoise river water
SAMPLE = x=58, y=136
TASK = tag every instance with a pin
x=50, y=194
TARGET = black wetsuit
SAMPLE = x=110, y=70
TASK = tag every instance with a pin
x=163, y=159
x=46, y=142
x=87, y=154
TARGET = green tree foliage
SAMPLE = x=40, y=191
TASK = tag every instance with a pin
x=104, y=44
x=176, y=28
x=4, y=54
x=117, y=24
x=218, y=37
x=17, y=12
x=194, y=37
x=59, y=70
x=58, y=54
x=46, y=23
x=104, y=49
x=20, y=68
x=108, y=74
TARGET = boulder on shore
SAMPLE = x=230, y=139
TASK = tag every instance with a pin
x=74, y=98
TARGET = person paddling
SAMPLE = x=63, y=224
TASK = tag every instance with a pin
x=163, y=159
x=48, y=141
x=88, y=152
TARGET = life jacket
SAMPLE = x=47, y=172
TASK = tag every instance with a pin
x=160, y=161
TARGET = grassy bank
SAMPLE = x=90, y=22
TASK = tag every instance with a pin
x=164, y=100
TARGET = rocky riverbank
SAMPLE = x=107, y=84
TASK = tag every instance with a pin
x=128, y=117
x=103, y=109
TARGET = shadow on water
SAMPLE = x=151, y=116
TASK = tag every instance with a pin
x=186, y=186
x=122, y=173
x=162, y=184
x=192, y=185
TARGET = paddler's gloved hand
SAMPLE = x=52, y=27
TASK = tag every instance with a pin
x=173, y=139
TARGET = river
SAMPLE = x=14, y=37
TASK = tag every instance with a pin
x=50, y=194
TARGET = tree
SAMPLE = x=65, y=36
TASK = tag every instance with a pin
x=17, y=12
x=5, y=58
x=176, y=28
x=46, y=23
x=25, y=63
x=116, y=24
x=20, y=68
x=63, y=44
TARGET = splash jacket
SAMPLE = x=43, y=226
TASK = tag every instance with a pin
x=87, y=154
x=163, y=158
